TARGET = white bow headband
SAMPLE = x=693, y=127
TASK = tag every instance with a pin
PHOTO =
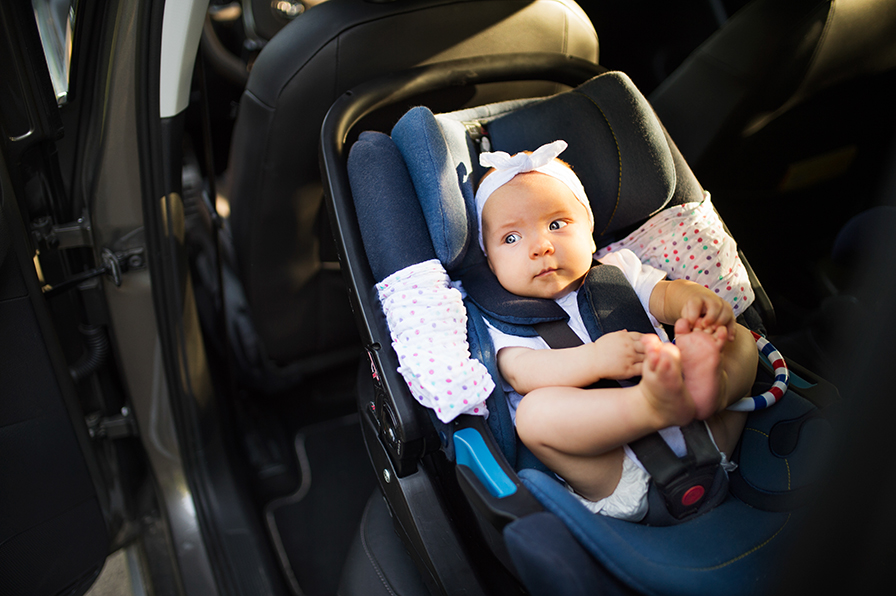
x=507, y=167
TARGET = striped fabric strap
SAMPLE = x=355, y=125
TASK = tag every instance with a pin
x=778, y=388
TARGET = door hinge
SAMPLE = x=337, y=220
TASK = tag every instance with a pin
x=116, y=426
x=123, y=255
x=52, y=236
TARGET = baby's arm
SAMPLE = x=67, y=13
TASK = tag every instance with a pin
x=681, y=302
x=615, y=355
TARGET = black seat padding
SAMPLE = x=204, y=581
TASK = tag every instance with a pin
x=299, y=307
x=378, y=562
x=765, y=59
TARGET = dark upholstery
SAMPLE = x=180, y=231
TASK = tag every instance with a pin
x=298, y=307
x=378, y=563
x=765, y=59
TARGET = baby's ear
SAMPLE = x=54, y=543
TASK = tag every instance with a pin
x=593, y=246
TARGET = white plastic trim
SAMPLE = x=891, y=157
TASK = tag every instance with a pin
x=181, y=31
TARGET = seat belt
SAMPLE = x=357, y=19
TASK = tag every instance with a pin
x=684, y=483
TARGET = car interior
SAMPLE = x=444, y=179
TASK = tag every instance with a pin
x=737, y=100
x=261, y=440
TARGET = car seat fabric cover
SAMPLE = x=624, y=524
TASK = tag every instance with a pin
x=274, y=180
x=605, y=122
x=720, y=552
x=383, y=192
x=723, y=545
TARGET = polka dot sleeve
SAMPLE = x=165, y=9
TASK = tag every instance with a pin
x=689, y=242
x=428, y=322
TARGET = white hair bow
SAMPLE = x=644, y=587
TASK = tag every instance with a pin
x=541, y=160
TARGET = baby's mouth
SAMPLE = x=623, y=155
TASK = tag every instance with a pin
x=546, y=271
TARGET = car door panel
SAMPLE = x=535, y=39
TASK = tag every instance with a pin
x=52, y=530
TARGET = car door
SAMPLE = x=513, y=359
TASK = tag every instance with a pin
x=53, y=523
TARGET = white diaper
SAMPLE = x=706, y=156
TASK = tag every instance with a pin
x=629, y=501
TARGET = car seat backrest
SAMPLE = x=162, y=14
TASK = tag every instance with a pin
x=274, y=180
x=626, y=161
x=767, y=58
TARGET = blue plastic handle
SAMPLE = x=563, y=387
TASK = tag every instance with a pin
x=472, y=452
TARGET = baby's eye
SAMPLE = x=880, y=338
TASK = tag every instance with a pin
x=557, y=224
x=511, y=238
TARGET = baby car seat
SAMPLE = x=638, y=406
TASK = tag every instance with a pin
x=476, y=512
x=290, y=314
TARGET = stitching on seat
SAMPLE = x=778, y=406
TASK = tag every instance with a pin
x=369, y=553
x=749, y=552
x=619, y=159
x=786, y=461
x=565, y=32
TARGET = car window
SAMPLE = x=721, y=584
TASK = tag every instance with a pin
x=55, y=21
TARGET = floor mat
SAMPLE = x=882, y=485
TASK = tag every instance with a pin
x=313, y=527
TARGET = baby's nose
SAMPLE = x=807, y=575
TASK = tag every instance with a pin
x=542, y=245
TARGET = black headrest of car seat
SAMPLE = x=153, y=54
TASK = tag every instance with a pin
x=617, y=147
x=275, y=189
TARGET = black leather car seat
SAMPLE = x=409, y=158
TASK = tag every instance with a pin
x=767, y=58
x=295, y=297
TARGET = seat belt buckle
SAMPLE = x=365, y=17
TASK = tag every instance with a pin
x=686, y=493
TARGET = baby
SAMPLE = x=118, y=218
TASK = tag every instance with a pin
x=536, y=231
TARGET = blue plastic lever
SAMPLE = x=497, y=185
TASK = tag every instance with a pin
x=472, y=452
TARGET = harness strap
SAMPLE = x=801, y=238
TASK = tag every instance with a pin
x=684, y=483
x=609, y=303
x=558, y=334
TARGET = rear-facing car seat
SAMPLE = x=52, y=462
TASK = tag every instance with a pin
x=461, y=476
x=295, y=315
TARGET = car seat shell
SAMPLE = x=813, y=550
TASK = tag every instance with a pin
x=707, y=570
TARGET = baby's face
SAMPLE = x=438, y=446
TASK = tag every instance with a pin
x=537, y=236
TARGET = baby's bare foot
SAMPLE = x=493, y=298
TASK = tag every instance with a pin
x=701, y=364
x=662, y=385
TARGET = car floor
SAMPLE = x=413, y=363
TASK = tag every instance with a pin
x=309, y=473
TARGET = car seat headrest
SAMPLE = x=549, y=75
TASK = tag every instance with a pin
x=438, y=160
x=617, y=147
x=384, y=198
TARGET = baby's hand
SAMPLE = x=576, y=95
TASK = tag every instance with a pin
x=704, y=311
x=619, y=355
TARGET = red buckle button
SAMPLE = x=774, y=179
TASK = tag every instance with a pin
x=692, y=495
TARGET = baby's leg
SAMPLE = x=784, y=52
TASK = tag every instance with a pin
x=739, y=360
x=579, y=433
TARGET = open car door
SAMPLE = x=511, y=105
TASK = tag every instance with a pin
x=53, y=527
